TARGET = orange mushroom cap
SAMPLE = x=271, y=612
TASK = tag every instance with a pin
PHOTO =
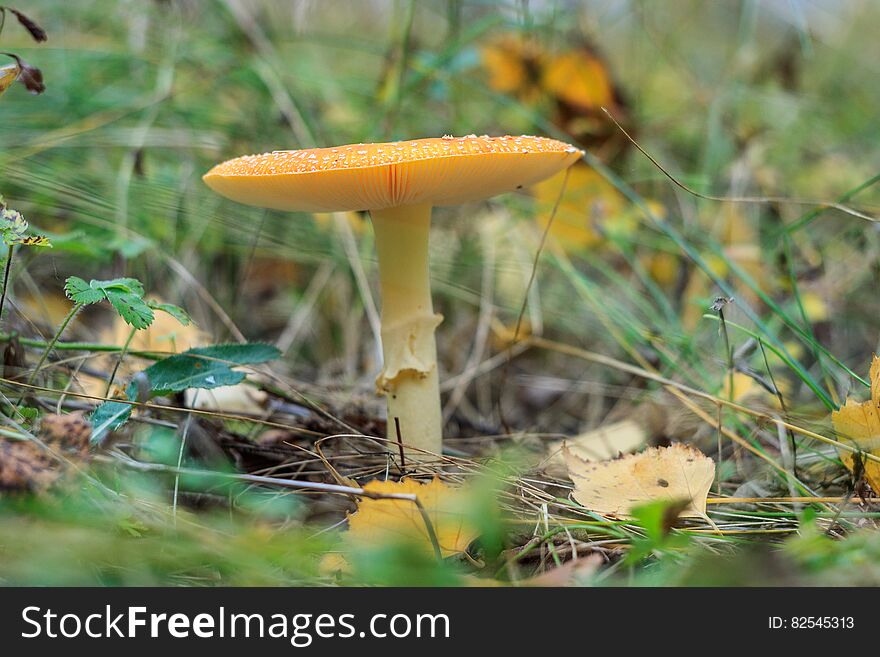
x=441, y=171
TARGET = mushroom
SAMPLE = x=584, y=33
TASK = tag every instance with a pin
x=398, y=183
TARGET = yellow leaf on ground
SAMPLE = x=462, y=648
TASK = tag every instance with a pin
x=607, y=442
x=858, y=423
x=382, y=521
x=659, y=473
x=600, y=444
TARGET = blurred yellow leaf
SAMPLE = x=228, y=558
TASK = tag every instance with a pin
x=664, y=267
x=514, y=67
x=588, y=202
x=580, y=78
x=743, y=386
x=614, y=487
x=326, y=220
x=859, y=423
x=382, y=521
x=332, y=563
x=8, y=75
x=815, y=307
x=48, y=307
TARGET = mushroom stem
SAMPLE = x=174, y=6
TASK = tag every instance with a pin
x=409, y=376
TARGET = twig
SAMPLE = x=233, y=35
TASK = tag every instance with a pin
x=6, y=278
x=738, y=199
x=283, y=483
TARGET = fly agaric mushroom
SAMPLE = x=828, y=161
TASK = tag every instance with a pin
x=398, y=183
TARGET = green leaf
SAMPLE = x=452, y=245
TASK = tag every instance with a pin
x=108, y=417
x=127, y=285
x=207, y=367
x=111, y=415
x=248, y=353
x=78, y=291
x=132, y=308
x=176, y=312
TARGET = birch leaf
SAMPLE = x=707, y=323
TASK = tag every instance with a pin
x=659, y=473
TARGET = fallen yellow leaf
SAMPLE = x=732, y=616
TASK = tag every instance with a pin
x=607, y=442
x=382, y=521
x=614, y=487
x=859, y=423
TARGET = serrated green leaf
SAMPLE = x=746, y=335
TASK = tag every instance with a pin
x=176, y=312
x=207, y=367
x=248, y=353
x=132, y=308
x=78, y=291
x=126, y=285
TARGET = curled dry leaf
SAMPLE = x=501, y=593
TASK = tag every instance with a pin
x=614, y=487
x=8, y=75
x=30, y=76
x=37, y=32
x=858, y=424
x=600, y=444
x=607, y=442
